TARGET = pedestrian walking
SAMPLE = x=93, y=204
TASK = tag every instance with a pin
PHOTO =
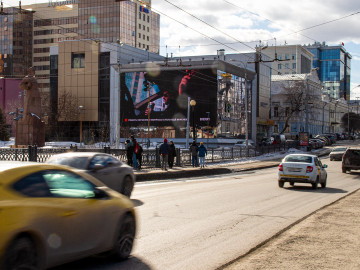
x=172, y=154
x=164, y=153
x=136, y=149
x=139, y=156
x=202, y=154
x=194, y=149
x=129, y=152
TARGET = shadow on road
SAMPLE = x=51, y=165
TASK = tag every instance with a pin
x=92, y=263
x=329, y=190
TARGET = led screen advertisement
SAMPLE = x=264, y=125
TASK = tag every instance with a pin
x=162, y=99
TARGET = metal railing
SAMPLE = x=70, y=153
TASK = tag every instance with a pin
x=150, y=157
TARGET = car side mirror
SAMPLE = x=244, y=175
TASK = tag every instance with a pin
x=100, y=194
x=325, y=166
x=98, y=167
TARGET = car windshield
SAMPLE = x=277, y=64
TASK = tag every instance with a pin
x=339, y=150
x=304, y=159
x=75, y=162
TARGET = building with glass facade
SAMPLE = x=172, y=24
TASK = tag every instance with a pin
x=26, y=36
x=15, y=42
x=333, y=65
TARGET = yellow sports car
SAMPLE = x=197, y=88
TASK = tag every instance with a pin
x=50, y=215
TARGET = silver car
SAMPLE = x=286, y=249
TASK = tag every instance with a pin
x=109, y=170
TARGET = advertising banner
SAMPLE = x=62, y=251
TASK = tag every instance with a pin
x=304, y=138
x=164, y=97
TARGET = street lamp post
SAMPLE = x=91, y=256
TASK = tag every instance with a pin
x=81, y=107
x=193, y=104
x=207, y=129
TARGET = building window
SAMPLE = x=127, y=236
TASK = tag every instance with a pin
x=279, y=57
x=148, y=39
x=139, y=35
x=293, y=57
x=227, y=127
x=139, y=45
x=144, y=17
x=148, y=29
x=144, y=37
x=139, y=25
x=276, y=129
x=78, y=60
x=148, y=18
x=287, y=57
x=279, y=66
x=144, y=27
x=147, y=47
x=287, y=65
x=276, y=111
x=139, y=15
x=294, y=65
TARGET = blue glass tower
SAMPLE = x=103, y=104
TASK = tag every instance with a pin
x=333, y=65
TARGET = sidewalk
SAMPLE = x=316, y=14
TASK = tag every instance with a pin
x=326, y=239
x=260, y=162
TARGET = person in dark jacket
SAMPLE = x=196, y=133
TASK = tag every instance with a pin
x=172, y=154
x=139, y=156
x=129, y=152
x=194, y=153
x=164, y=153
x=202, y=154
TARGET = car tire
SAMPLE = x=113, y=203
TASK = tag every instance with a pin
x=323, y=185
x=281, y=184
x=125, y=238
x=331, y=159
x=127, y=186
x=21, y=254
x=343, y=170
x=315, y=185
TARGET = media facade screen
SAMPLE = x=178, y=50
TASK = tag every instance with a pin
x=168, y=97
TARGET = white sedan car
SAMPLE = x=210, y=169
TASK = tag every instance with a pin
x=302, y=168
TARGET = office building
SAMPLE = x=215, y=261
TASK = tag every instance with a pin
x=334, y=66
x=35, y=31
x=288, y=59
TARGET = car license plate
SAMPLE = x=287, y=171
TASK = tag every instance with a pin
x=294, y=169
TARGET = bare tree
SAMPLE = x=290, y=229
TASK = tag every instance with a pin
x=294, y=96
x=67, y=107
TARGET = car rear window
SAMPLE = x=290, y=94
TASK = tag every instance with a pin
x=303, y=159
x=338, y=149
x=354, y=152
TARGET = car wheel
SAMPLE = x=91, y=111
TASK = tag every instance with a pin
x=281, y=184
x=315, y=185
x=128, y=186
x=331, y=159
x=292, y=184
x=323, y=185
x=343, y=170
x=125, y=238
x=21, y=255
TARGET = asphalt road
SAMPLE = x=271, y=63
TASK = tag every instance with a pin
x=204, y=223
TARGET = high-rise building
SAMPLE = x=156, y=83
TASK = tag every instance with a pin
x=333, y=65
x=28, y=35
x=15, y=42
